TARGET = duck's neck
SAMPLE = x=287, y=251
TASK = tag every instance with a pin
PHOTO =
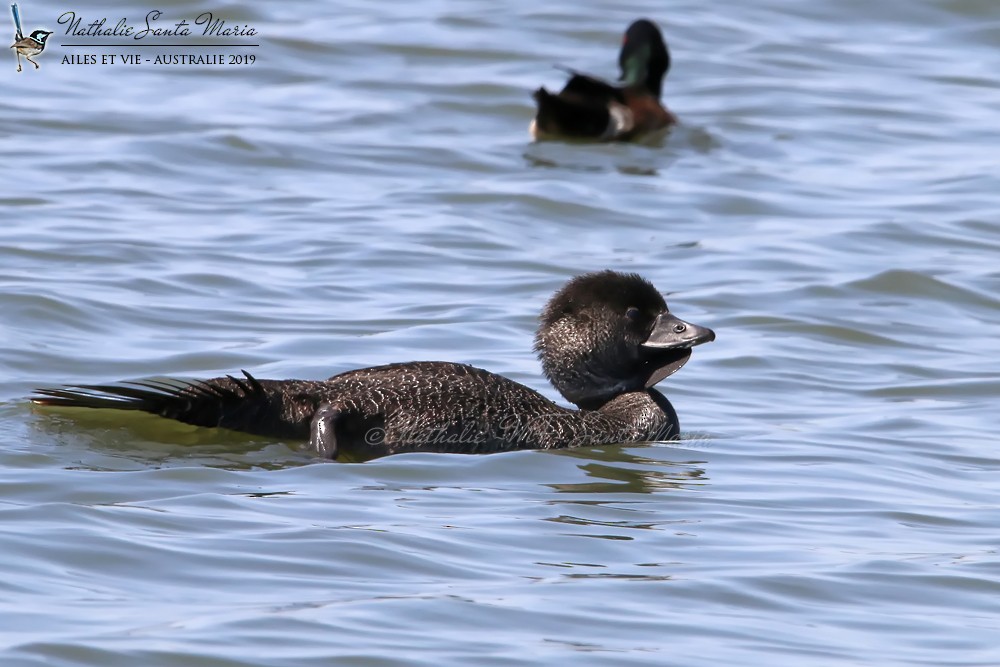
x=636, y=416
x=637, y=74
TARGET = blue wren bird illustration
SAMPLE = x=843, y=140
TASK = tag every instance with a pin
x=30, y=46
x=27, y=46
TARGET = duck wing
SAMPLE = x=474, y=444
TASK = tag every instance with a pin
x=585, y=108
x=592, y=89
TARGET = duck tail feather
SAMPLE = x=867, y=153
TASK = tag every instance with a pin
x=268, y=407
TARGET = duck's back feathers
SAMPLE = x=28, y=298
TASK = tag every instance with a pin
x=586, y=87
x=430, y=406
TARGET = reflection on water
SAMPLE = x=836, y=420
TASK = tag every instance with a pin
x=116, y=440
x=640, y=474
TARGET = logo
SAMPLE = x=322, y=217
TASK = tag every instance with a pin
x=206, y=40
x=33, y=45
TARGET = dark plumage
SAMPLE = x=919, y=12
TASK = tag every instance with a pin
x=604, y=340
x=588, y=108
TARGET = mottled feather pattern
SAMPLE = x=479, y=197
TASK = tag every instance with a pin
x=604, y=340
x=418, y=406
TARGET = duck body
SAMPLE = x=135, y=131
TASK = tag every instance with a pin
x=588, y=108
x=362, y=414
x=442, y=406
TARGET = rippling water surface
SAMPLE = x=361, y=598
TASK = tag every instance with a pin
x=366, y=192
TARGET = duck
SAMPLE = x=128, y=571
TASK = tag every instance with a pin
x=604, y=340
x=588, y=108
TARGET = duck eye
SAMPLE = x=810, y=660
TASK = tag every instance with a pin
x=679, y=328
x=632, y=313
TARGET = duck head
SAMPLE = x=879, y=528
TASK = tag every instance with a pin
x=644, y=58
x=607, y=333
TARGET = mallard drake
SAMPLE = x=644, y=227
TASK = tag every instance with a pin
x=589, y=108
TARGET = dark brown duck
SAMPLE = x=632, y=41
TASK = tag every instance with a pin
x=604, y=340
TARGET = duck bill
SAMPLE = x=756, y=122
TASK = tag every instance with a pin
x=669, y=345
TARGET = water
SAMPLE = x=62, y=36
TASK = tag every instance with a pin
x=366, y=193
